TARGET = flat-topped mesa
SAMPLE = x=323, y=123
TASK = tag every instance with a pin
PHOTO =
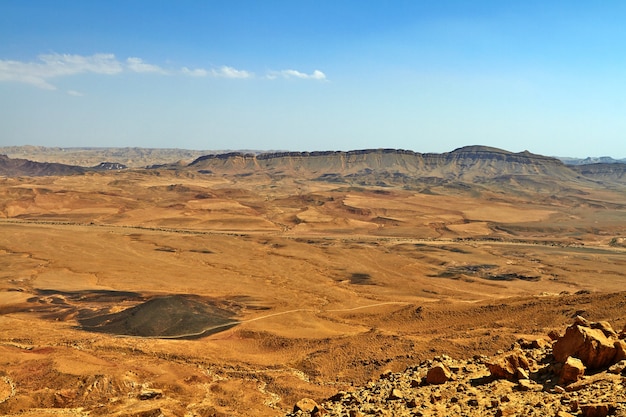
x=467, y=162
x=317, y=162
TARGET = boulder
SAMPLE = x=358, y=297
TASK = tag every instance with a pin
x=438, y=374
x=591, y=346
x=597, y=410
x=572, y=370
x=508, y=365
x=396, y=394
x=528, y=385
x=307, y=405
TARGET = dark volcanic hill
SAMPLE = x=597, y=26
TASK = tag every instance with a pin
x=23, y=167
x=174, y=316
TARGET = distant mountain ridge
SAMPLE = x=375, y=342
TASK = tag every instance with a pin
x=92, y=156
x=23, y=167
x=592, y=160
x=469, y=164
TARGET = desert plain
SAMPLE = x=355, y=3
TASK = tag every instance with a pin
x=187, y=292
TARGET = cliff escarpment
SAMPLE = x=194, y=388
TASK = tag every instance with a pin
x=468, y=163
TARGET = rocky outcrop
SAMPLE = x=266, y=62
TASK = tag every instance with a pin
x=527, y=380
x=595, y=344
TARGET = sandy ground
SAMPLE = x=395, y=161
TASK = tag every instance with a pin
x=326, y=286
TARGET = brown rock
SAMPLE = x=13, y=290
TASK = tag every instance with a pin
x=521, y=373
x=306, y=405
x=591, y=346
x=620, y=350
x=528, y=385
x=396, y=394
x=572, y=370
x=505, y=411
x=581, y=321
x=597, y=410
x=506, y=366
x=540, y=344
x=438, y=374
x=150, y=394
x=618, y=368
x=605, y=327
x=553, y=335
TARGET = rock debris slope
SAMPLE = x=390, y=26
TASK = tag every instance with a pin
x=581, y=373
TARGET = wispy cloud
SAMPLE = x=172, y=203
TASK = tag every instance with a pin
x=49, y=66
x=291, y=73
x=138, y=65
x=230, y=72
x=75, y=93
x=198, y=72
x=46, y=67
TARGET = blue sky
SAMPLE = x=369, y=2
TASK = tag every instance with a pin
x=430, y=76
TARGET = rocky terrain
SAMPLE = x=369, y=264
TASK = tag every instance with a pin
x=579, y=373
x=239, y=284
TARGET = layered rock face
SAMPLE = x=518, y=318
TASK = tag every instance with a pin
x=468, y=162
x=581, y=373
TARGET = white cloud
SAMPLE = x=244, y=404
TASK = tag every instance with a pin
x=290, y=73
x=55, y=65
x=137, y=65
x=49, y=66
x=74, y=93
x=198, y=72
x=230, y=72
x=318, y=75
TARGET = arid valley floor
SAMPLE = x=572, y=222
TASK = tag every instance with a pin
x=198, y=293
